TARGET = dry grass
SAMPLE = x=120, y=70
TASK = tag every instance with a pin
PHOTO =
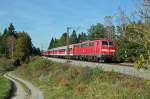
x=80, y=88
x=61, y=81
x=64, y=82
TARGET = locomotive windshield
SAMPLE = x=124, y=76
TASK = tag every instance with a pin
x=107, y=43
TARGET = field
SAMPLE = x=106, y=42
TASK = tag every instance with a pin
x=61, y=81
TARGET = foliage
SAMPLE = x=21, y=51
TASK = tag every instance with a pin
x=97, y=31
x=8, y=41
x=23, y=47
x=73, y=38
x=16, y=45
x=82, y=37
x=63, y=39
x=51, y=45
x=144, y=58
x=5, y=64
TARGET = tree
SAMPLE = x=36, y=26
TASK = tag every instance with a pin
x=143, y=35
x=11, y=30
x=118, y=31
x=82, y=37
x=36, y=51
x=5, y=32
x=23, y=48
x=51, y=45
x=144, y=11
x=56, y=43
x=130, y=44
x=110, y=28
x=8, y=41
x=111, y=33
x=97, y=31
x=4, y=50
x=73, y=38
x=63, y=40
x=11, y=41
x=0, y=44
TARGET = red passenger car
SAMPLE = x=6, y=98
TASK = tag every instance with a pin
x=95, y=50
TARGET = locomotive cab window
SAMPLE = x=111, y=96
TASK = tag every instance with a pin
x=104, y=43
x=110, y=43
x=107, y=43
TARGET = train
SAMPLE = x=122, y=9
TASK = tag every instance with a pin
x=101, y=50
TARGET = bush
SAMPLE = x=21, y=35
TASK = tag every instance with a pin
x=5, y=64
x=40, y=63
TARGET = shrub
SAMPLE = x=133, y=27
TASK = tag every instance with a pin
x=5, y=64
x=40, y=63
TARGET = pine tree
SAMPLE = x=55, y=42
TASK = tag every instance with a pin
x=82, y=37
x=11, y=30
x=55, y=43
x=63, y=39
x=51, y=45
x=5, y=32
x=73, y=38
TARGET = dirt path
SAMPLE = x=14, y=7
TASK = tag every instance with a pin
x=23, y=89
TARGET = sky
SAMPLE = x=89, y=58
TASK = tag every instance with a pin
x=44, y=19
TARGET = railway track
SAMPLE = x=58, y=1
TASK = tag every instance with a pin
x=114, y=63
x=127, y=69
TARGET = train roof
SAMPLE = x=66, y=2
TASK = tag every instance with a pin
x=93, y=41
x=70, y=46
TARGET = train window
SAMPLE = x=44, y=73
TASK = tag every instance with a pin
x=85, y=45
x=91, y=44
x=110, y=43
x=98, y=43
x=82, y=45
x=104, y=43
x=76, y=46
x=62, y=50
x=107, y=43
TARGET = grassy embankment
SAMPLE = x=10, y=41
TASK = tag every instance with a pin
x=61, y=81
x=5, y=85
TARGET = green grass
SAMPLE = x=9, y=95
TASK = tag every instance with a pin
x=61, y=81
x=5, y=87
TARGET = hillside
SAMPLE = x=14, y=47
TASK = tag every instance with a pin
x=67, y=82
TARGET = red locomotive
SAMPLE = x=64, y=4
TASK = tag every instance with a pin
x=95, y=50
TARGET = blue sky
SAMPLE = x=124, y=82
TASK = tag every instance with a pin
x=44, y=19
